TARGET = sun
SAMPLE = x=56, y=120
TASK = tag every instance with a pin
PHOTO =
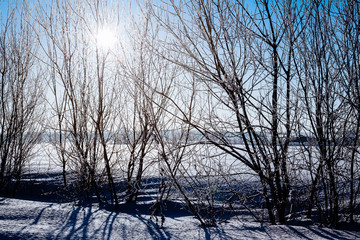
x=106, y=39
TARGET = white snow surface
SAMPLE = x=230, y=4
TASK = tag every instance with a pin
x=23, y=219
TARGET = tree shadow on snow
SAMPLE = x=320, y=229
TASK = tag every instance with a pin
x=171, y=208
x=48, y=188
x=73, y=228
x=154, y=230
x=40, y=187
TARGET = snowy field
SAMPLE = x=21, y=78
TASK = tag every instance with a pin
x=22, y=219
x=32, y=218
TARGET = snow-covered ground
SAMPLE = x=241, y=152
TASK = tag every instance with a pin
x=22, y=219
x=56, y=218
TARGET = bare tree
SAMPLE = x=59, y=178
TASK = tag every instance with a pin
x=347, y=58
x=83, y=83
x=242, y=56
x=327, y=115
x=21, y=93
x=145, y=74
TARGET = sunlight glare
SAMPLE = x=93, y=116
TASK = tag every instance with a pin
x=106, y=39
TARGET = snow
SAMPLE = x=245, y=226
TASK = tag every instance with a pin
x=58, y=219
x=24, y=219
